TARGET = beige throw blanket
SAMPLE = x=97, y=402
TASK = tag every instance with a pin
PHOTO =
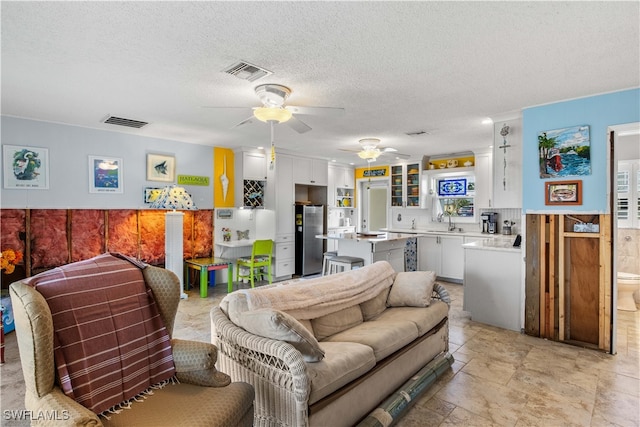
x=309, y=299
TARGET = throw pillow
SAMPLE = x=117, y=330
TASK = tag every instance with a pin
x=375, y=306
x=412, y=289
x=278, y=325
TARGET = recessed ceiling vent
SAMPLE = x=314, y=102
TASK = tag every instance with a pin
x=119, y=121
x=245, y=71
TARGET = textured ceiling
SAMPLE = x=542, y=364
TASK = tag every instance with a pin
x=395, y=67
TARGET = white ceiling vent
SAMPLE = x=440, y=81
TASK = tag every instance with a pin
x=119, y=121
x=245, y=71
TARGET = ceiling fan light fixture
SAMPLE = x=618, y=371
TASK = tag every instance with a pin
x=266, y=114
x=369, y=154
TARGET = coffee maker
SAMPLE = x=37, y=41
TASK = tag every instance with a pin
x=489, y=222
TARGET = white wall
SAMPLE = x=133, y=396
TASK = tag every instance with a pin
x=69, y=148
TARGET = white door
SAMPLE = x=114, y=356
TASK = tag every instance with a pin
x=373, y=205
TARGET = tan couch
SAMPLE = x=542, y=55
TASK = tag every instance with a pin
x=334, y=360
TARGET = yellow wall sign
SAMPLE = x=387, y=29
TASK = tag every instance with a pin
x=193, y=180
x=373, y=172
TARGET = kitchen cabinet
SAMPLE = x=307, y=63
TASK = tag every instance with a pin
x=442, y=254
x=332, y=244
x=484, y=179
x=250, y=178
x=251, y=166
x=405, y=185
x=281, y=199
x=311, y=171
x=285, y=263
x=341, y=186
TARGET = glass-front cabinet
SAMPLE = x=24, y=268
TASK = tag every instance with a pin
x=405, y=185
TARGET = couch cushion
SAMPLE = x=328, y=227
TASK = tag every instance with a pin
x=425, y=318
x=343, y=363
x=412, y=289
x=278, y=325
x=375, y=306
x=333, y=323
x=384, y=337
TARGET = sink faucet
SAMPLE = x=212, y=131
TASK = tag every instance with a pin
x=413, y=224
x=439, y=217
x=452, y=226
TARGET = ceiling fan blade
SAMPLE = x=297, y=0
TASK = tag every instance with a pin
x=244, y=122
x=298, y=125
x=350, y=150
x=316, y=111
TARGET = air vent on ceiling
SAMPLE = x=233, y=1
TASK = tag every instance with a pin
x=417, y=133
x=119, y=121
x=245, y=71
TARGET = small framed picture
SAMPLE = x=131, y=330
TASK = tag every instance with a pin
x=563, y=192
x=161, y=167
x=25, y=168
x=151, y=194
x=105, y=175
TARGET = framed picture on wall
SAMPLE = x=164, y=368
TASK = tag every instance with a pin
x=565, y=152
x=105, y=175
x=563, y=192
x=151, y=194
x=161, y=167
x=25, y=168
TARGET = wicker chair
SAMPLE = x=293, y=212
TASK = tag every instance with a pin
x=201, y=397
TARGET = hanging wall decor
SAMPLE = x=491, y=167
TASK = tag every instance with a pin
x=564, y=152
x=105, y=175
x=25, y=167
x=161, y=167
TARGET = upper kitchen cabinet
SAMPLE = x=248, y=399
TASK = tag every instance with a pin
x=310, y=171
x=405, y=185
x=341, y=186
x=507, y=163
x=251, y=165
x=250, y=178
x=484, y=179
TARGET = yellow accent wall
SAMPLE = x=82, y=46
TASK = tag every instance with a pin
x=220, y=157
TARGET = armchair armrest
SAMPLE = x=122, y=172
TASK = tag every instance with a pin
x=440, y=293
x=195, y=363
x=60, y=410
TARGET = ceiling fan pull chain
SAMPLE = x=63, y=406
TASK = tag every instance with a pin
x=272, y=161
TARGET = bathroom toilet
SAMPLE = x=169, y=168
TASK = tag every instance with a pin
x=628, y=291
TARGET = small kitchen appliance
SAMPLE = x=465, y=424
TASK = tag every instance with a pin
x=489, y=222
x=507, y=227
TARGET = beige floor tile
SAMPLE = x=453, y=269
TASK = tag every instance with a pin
x=498, y=404
x=462, y=417
x=550, y=409
x=613, y=408
x=490, y=369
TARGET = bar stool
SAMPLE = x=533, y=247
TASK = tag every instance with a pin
x=338, y=264
x=325, y=257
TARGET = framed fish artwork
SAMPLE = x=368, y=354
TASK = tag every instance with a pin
x=161, y=167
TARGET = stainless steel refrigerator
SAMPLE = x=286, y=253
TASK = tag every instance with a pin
x=309, y=223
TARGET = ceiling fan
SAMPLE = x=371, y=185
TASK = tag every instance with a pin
x=370, y=150
x=273, y=110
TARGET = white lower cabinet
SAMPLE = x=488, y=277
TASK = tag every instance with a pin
x=285, y=252
x=442, y=254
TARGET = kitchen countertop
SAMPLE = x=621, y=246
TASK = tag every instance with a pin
x=501, y=244
x=431, y=231
x=377, y=237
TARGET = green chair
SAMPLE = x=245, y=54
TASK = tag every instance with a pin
x=260, y=258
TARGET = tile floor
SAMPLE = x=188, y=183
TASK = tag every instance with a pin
x=499, y=378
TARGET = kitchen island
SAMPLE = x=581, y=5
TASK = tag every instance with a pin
x=373, y=247
x=493, y=283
